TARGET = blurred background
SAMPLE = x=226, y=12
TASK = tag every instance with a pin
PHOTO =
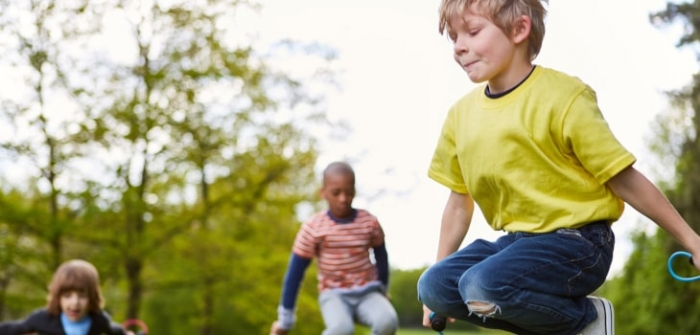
x=177, y=146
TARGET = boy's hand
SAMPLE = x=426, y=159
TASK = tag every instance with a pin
x=696, y=260
x=426, y=317
x=277, y=330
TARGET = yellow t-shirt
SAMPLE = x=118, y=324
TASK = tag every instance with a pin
x=534, y=160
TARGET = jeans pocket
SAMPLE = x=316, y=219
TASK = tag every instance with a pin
x=576, y=237
x=595, y=257
x=599, y=235
x=568, y=231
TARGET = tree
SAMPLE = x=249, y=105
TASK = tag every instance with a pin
x=184, y=112
x=38, y=132
x=646, y=299
x=190, y=155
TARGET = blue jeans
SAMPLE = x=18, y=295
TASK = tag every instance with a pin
x=523, y=283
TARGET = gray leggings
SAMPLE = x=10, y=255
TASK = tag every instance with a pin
x=371, y=308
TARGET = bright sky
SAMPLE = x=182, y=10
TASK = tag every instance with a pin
x=398, y=80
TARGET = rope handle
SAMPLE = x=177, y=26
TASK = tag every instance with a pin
x=136, y=322
x=438, y=322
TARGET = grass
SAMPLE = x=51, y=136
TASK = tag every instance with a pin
x=418, y=331
x=446, y=332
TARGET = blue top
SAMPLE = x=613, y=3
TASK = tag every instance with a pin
x=80, y=327
x=40, y=321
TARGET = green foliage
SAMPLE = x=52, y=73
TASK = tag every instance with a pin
x=404, y=296
x=634, y=294
x=179, y=177
x=647, y=300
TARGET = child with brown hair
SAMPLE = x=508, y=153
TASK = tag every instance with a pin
x=74, y=306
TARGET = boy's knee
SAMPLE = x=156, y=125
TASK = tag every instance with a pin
x=427, y=287
x=481, y=286
x=387, y=326
x=340, y=329
x=482, y=308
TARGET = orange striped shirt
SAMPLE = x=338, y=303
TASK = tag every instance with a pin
x=341, y=249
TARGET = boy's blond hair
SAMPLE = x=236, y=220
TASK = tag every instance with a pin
x=504, y=14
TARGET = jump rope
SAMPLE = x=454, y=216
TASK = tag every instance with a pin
x=674, y=274
x=143, y=328
x=439, y=322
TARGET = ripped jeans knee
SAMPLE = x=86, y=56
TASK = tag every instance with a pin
x=483, y=309
x=482, y=294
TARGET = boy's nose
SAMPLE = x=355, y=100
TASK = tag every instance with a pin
x=460, y=45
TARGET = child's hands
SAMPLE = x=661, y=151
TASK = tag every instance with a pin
x=277, y=330
x=696, y=260
x=426, y=317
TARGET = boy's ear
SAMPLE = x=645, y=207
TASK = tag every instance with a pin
x=521, y=29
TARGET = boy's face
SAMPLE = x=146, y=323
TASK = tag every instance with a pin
x=339, y=190
x=482, y=49
x=74, y=304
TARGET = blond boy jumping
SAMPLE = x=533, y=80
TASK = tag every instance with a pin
x=531, y=148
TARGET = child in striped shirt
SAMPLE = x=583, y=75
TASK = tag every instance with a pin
x=352, y=287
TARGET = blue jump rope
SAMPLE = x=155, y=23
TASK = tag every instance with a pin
x=673, y=273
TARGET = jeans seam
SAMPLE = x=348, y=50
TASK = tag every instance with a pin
x=569, y=284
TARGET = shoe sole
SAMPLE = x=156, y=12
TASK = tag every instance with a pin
x=608, y=315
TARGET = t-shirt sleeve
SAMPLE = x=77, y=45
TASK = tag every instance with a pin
x=307, y=240
x=444, y=166
x=588, y=135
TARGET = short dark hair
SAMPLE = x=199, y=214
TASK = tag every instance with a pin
x=75, y=275
x=339, y=168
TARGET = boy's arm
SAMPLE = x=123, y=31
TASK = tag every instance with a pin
x=290, y=289
x=382, y=263
x=640, y=193
x=456, y=219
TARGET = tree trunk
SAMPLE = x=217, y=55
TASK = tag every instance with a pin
x=133, y=276
x=208, y=310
